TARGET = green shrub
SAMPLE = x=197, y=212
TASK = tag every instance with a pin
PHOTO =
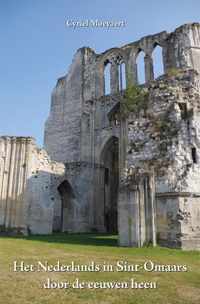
x=135, y=99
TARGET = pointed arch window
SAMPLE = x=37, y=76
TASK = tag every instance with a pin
x=122, y=76
x=107, y=78
x=157, y=56
x=140, y=67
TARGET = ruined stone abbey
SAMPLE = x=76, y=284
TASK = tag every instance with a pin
x=137, y=175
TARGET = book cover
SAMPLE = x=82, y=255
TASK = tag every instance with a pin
x=99, y=152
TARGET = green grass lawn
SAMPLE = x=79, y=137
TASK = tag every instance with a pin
x=24, y=288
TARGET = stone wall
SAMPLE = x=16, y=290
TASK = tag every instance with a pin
x=62, y=138
x=68, y=120
x=14, y=170
x=163, y=135
x=73, y=185
x=178, y=217
x=25, y=186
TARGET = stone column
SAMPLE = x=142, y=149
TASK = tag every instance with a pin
x=100, y=82
x=15, y=183
x=122, y=146
x=6, y=150
x=114, y=78
x=142, y=212
x=29, y=162
x=149, y=75
x=135, y=73
x=9, y=201
x=136, y=208
x=19, y=218
x=128, y=218
x=132, y=75
x=165, y=59
x=152, y=194
x=150, y=208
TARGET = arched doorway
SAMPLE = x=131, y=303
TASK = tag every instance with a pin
x=110, y=160
x=67, y=206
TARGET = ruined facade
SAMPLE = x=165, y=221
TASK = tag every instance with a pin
x=135, y=175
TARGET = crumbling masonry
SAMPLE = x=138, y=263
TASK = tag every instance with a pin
x=101, y=171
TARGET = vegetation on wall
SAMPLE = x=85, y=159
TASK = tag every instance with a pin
x=167, y=131
x=135, y=99
x=174, y=72
x=165, y=127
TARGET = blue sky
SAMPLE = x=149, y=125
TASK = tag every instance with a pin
x=36, y=47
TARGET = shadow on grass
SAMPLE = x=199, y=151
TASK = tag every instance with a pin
x=104, y=240
x=76, y=239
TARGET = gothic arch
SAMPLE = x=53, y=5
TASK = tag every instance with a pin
x=122, y=76
x=108, y=63
x=140, y=62
x=67, y=204
x=107, y=77
x=109, y=159
x=157, y=57
x=112, y=55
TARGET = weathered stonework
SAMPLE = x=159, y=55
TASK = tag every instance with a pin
x=25, y=188
x=136, y=174
x=163, y=137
